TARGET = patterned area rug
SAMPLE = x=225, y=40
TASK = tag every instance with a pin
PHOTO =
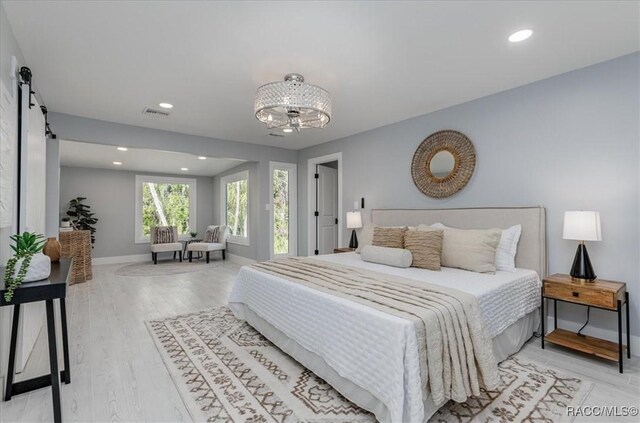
x=166, y=267
x=227, y=372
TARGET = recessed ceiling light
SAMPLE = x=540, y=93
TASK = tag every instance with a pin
x=122, y=148
x=184, y=168
x=166, y=105
x=202, y=158
x=521, y=35
x=117, y=163
x=287, y=130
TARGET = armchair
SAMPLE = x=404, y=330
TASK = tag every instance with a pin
x=215, y=239
x=164, y=239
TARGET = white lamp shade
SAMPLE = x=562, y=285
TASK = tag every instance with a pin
x=354, y=220
x=582, y=226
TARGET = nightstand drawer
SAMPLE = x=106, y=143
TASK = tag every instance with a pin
x=581, y=295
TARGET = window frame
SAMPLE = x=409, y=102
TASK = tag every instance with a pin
x=139, y=237
x=239, y=176
x=292, y=169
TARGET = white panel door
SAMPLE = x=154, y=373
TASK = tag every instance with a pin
x=327, y=209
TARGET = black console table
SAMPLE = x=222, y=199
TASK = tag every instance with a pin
x=55, y=287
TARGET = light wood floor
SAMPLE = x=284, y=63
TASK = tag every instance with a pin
x=118, y=375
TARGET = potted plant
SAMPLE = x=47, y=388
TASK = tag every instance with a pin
x=65, y=223
x=193, y=234
x=84, y=218
x=27, y=264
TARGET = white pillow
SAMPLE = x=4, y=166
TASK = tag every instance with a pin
x=507, y=247
x=397, y=257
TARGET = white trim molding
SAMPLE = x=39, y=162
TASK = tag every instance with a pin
x=292, y=170
x=244, y=175
x=311, y=168
x=139, y=237
x=241, y=260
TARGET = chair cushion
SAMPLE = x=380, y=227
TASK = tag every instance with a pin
x=205, y=246
x=212, y=234
x=164, y=234
x=167, y=246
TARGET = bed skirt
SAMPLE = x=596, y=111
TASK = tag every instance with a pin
x=505, y=344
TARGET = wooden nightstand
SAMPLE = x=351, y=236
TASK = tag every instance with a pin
x=606, y=295
x=343, y=250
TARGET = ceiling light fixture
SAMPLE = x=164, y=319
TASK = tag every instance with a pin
x=166, y=105
x=117, y=163
x=184, y=168
x=521, y=35
x=292, y=104
x=122, y=148
x=202, y=158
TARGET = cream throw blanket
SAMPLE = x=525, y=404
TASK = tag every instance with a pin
x=456, y=355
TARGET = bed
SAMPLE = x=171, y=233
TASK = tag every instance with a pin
x=373, y=357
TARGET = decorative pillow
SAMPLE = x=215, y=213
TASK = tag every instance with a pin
x=212, y=235
x=507, y=247
x=391, y=237
x=365, y=237
x=396, y=257
x=163, y=234
x=469, y=249
x=425, y=247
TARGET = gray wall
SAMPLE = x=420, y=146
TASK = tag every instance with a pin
x=255, y=237
x=76, y=128
x=569, y=142
x=111, y=195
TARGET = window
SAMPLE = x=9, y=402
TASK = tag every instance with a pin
x=235, y=206
x=283, y=222
x=164, y=201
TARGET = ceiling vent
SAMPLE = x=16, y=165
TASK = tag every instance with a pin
x=154, y=113
x=271, y=134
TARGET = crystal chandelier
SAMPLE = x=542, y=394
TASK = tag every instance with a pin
x=292, y=104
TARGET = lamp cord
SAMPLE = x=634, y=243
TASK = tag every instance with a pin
x=585, y=323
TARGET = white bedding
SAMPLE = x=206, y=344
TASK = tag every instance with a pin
x=372, y=349
x=504, y=297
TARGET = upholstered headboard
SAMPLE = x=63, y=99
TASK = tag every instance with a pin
x=532, y=248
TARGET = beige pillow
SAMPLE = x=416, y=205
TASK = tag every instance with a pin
x=425, y=247
x=391, y=237
x=365, y=237
x=469, y=249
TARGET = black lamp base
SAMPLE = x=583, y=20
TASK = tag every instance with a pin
x=582, y=269
x=354, y=240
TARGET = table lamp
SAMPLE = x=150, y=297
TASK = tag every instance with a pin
x=582, y=226
x=354, y=221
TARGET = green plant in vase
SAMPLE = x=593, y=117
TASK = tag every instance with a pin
x=83, y=217
x=26, y=245
x=193, y=234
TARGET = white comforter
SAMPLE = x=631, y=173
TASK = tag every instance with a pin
x=375, y=350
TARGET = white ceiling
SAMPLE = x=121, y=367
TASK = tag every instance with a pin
x=100, y=156
x=382, y=62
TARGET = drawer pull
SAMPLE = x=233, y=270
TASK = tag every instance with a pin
x=576, y=294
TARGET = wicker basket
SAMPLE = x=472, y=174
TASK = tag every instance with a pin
x=77, y=245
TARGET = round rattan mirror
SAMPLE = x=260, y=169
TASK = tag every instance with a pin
x=443, y=164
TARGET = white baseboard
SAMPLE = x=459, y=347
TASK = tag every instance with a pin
x=240, y=259
x=122, y=259
x=597, y=332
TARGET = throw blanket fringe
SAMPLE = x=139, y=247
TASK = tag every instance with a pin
x=456, y=355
